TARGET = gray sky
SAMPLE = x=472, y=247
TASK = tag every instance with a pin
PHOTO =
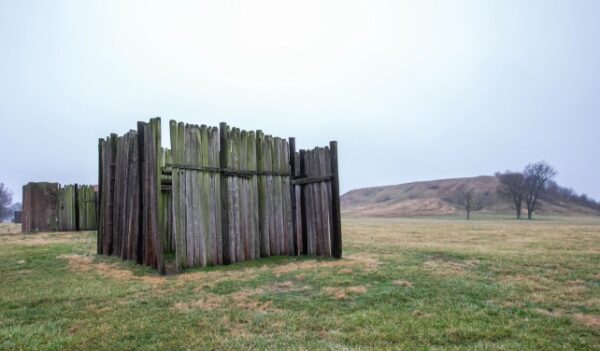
x=412, y=90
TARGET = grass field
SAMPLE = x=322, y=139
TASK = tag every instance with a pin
x=447, y=284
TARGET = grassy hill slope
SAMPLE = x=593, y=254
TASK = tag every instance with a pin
x=436, y=198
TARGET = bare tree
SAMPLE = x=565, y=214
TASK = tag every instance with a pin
x=537, y=177
x=512, y=188
x=469, y=201
x=5, y=202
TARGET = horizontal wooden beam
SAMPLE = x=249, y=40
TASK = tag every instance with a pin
x=224, y=171
x=310, y=180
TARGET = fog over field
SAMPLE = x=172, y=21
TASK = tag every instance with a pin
x=412, y=91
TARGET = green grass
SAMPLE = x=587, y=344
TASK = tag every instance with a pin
x=418, y=284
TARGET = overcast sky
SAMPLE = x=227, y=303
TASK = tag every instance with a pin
x=412, y=90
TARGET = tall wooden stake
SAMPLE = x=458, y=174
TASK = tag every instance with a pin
x=292, y=190
x=336, y=223
x=223, y=157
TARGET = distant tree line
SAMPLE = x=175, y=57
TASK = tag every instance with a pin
x=534, y=183
x=7, y=208
x=528, y=186
x=523, y=190
x=556, y=194
x=5, y=202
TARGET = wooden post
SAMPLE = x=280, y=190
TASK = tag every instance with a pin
x=139, y=249
x=243, y=198
x=152, y=140
x=99, y=212
x=109, y=178
x=292, y=146
x=133, y=200
x=77, y=204
x=207, y=254
x=223, y=159
x=287, y=198
x=252, y=157
x=271, y=206
x=336, y=223
x=216, y=207
x=325, y=199
x=263, y=207
x=316, y=203
x=303, y=205
x=234, y=225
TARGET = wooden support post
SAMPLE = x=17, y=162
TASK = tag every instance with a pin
x=336, y=223
x=139, y=249
x=263, y=208
x=223, y=158
x=292, y=147
x=99, y=212
x=77, y=204
x=303, y=205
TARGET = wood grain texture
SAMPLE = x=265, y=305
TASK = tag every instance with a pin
x=216, y=196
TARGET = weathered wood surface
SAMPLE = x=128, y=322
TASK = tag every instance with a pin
x=196, y=195
x=130, y=213
x=317, y=218
x=51, y=207
x=76, y=208
x=86, y=207
x=216, y=196
x=99, y=212
x=40, y=207
x=336, y=224
x=67, y=207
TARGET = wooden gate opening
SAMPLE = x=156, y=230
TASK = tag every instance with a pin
x=218, y=195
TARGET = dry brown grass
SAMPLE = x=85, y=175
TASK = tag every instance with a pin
x=247, y=299
x=554, y=313
x=44, y=238
x=97, y=309
x=592, y=321
x=10, y=228
x=403, y=283
x=342, y=293
x=442, y=266
x=525, y=272
x=421, y=314
x=540, y=289
x=410, y=207
x=207, y=302
x=506, y=237
x=235, y=329
x=364, y=261
x=589, y=320
x=82, y=263
x=537, y=257
x=533, y=283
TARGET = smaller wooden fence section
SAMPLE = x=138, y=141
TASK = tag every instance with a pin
x=40, y=207
x=76, y=208
x=50, y=207
x=316, y=201
x=219, y=195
